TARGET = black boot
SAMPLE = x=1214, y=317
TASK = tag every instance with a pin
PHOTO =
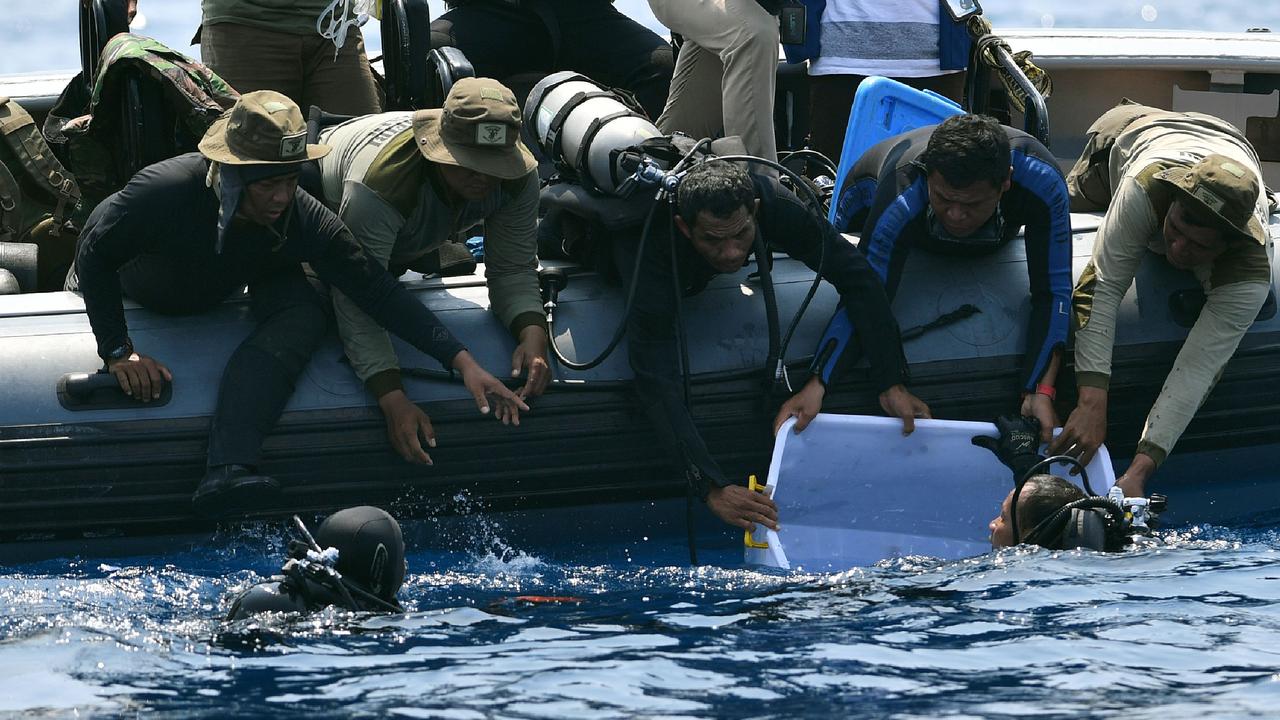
x=233, y=489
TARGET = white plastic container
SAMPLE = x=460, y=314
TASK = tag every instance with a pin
x=852, y=490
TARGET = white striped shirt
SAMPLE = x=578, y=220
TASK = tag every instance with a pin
x=875, y=37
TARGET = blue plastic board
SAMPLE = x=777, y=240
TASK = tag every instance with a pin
x=883, y=108
x=852, y=490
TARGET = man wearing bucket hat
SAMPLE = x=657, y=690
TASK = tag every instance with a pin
x=1185, y=186
x=408, y=185
x=188, y=231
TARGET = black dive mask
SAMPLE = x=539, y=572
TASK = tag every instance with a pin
x=989, y=236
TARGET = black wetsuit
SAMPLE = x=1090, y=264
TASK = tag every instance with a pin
x=886, y=195
x=502, y=38
x=291, y=595
x=787, y=225
x=156, y=240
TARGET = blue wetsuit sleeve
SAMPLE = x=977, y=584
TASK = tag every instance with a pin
x=1048, y=247
x=885, y=244
x=806, y=236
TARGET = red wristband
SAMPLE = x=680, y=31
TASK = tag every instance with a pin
x=1048, y=391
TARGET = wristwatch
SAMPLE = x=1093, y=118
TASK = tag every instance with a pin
x=120, y=352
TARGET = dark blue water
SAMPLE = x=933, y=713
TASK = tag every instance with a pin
x=1185, y=627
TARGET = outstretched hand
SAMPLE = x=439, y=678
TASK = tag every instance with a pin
x=743, y=508
x=1018, y=444
x=1086, y=428
x=531, y=356
x=1041, y=408
x=803, y=406
x=408, y=427
x=898, y=402
x=488, y=392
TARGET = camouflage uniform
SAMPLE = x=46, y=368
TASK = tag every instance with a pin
x=185, y=96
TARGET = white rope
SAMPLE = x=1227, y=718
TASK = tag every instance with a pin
x=338, y=18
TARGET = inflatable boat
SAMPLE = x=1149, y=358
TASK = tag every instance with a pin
x=76, y=460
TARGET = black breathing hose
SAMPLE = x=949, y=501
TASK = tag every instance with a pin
x=631, y=291
x=1053, y=524
x=814, y=155
x=777, y=347
x=1017, y=487
x=626, y=309
x=816, y=204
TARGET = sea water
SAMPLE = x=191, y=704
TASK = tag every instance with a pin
x=1186, y=626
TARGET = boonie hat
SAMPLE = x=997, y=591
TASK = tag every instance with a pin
x=262, y=128
x=478, y=128
x=1224, y=189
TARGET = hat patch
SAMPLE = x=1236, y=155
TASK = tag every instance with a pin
x=490, y=93
x=1211, y=201
x=273, y=106
x=294, y=145
x=491, y=134
x=1233, y=169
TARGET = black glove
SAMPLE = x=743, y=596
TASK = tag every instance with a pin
x=1018, y=444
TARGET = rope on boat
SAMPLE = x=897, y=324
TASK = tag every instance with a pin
x=985, y=42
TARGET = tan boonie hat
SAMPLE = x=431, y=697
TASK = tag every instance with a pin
x=1223, y=188
x=263, y=127
x=478, y=128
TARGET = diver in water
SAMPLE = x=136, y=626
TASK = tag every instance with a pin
x=1052, y=512
x=355, y=562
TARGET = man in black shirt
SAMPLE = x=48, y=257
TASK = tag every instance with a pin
x=187, y=232
x=720, y=208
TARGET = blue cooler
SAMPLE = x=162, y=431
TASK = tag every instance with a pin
x=883, y=108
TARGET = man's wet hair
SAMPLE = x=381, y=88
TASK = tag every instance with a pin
x=968, y=148
x=717, y=186
x=1042, y=496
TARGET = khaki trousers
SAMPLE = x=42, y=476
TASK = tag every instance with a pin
x=300, y=66
x=726, y=72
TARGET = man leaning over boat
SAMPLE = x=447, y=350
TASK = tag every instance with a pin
x=406, y=184
x=720, y=208
x=1182, y=185
x=187, y=232
x=963, y=187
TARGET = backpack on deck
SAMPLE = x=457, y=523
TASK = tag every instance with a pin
x=148, y=103
x=37, y=198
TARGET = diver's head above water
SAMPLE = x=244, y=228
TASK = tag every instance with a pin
x=1041, y=497
x=356, y=562
x=370, y=548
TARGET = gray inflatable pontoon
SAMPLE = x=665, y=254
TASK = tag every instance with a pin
x=71, y=467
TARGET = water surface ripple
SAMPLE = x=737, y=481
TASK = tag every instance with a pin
x=1185, y=628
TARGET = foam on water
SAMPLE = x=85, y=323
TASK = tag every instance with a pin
x=1183, y=627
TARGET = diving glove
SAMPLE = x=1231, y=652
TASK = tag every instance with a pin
x=1018, y=444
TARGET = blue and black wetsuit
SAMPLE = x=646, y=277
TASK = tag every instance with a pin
x=886, y=195
x=785, y=223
